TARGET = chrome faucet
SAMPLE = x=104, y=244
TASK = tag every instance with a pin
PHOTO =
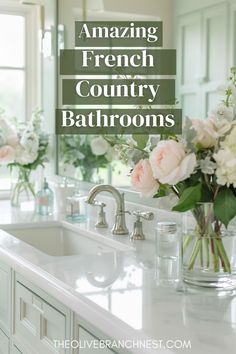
x=119, y=227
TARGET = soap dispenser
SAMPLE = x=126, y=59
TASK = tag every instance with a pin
x=45, y=200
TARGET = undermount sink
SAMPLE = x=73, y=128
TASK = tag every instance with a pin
x=59, y=241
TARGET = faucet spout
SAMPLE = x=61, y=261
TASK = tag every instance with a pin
x=119, y=227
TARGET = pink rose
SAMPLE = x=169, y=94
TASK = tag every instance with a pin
x=170, y=164
x=142, y=179
x=7, y=154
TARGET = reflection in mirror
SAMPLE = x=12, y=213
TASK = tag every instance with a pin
x=89, y=155
x=203, y=34
x=89, y=158
x=92, y=159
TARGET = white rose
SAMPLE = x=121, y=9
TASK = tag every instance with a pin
x=99, y=146
x=170, y=163
x=226, y=167
x=24, y=157
x=30, y=141
x=206, y=135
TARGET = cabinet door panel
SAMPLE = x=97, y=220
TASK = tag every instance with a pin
x=189, y=51
x=215, y=66
x=86, y=340
x=5, y=294
x=4, y=343
x=26, y=316
x=38, y=324
x=52, y=327
x=203, y=44
x=215, y=37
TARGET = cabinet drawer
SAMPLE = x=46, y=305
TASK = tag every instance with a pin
x=37, y=323
x=86, y=339
x=4, y=343
x=5, y=296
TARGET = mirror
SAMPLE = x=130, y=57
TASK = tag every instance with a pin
x=89, y=158
x=203, y=35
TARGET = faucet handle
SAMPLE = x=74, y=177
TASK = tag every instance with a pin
x=97, y=203
x=101, y=222
x=127, y=212
x=146, y=215
x=137, y=233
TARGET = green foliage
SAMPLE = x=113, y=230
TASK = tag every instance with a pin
x=189, y=198
x=163, y=191
x=225, y=206
x=114, y=140
x=141, y=140
x=207, y=195
x=76, y=150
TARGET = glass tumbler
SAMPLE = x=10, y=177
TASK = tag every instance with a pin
x=167, y=253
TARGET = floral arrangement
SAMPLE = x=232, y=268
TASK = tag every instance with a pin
x=199, y=167
x=23, y=146
x=88, y=152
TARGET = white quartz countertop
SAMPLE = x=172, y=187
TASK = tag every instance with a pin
x=117, y=292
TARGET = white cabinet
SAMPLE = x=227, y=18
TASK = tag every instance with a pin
x=4, y=343
x=91, y=339
x=89, y=343
x=5, y=296
x=37, y=323
x=15, y=350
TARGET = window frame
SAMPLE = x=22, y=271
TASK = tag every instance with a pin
x=33, y=61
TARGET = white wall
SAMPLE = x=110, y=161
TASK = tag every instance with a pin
x=162, y=9
x=159, y=8
x=185, y=6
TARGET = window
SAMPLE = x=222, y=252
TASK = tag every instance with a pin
x=13, y=65
x=20, y=84
x=20, y=64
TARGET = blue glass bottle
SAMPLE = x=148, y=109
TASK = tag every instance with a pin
x=45, y=200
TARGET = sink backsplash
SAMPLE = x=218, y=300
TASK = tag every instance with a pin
x=148, y=226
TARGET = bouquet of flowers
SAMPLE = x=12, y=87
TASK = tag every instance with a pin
x=23, y=146
x=200, y=168
x=86, y=152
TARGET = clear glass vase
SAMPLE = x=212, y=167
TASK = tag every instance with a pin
x=92, y=175
x=208, y=251
x=22, y=188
